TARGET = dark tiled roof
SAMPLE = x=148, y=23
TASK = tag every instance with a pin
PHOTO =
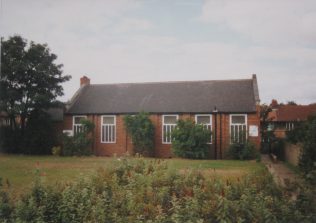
x=56, y=114
x=167, y=97
x=286, y=113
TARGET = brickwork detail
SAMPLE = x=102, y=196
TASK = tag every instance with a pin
x=124, y=144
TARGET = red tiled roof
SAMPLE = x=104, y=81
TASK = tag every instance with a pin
x=287, y=113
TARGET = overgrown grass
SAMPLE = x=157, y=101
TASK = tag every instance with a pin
x=147, y=190
x=18, y=171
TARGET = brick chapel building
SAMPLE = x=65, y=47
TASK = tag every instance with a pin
x=226, y=107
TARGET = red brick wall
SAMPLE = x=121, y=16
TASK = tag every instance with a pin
x=254, y=119
x=123, y=142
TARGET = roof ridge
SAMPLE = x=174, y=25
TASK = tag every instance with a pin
x=171, y=82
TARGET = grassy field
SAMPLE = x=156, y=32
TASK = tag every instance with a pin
x=18, y=171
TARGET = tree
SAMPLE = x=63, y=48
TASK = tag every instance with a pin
x=264, y=119
x=291, y=103
x=190, y=140
x=30, y=79
x=142, y=132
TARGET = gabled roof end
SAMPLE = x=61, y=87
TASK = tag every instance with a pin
x=255, y=88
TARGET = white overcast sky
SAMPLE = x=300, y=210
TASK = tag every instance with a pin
x=117, y=41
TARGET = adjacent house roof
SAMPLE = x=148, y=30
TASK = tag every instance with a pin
x=287, y=113
x=234, y=96
x=56, y=114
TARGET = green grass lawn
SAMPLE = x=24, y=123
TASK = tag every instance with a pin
x=18, y=171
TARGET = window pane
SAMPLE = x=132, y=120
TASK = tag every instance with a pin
x=237, y=119
x=78, y=120
x=203, y=120
x=108, y=120
x=164, y=133
x=170, y=119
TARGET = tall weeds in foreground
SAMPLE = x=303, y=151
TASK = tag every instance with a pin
x=139, y=190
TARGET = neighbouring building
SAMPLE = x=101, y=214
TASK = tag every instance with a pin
x=284, y=118
x=229, y=108
x=4, y=119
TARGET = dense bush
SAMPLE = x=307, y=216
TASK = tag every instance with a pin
x=56, y=151
x=305, y=133
x=147, y=191
x=80, y=143
x=190, y=140
x=307, y=161
x=241, y=151
x=297, y=134
x=10, y=140
x=278, y=148
x=5, y=205
x=37, y=138
x=39, y=134
x=142, y=132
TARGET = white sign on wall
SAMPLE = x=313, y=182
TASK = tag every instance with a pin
x=68, y=132
x=253, y=130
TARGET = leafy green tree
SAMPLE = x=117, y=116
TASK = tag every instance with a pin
x=30, y=79
x=266, y=135
x=190, y=140
x=142, y=131
x=264, y=119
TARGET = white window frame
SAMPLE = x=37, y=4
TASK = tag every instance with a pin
x=208, y=126
x=289, y=126
x=163, y=125
x=104, y=141
x=76, y=125
x=230, y=125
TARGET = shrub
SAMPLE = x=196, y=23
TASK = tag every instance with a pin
x=307, y=161
x=241, y=151
x=142, y=132
x=190, y=140
x=37, y=138
x=39, y=134
x=305, y=133
x=147, y=191
x=80, y=143
x=297, y=134
x=10, y=140
x=56, y=151
x=5, y=205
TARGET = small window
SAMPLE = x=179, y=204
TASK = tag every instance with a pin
x=289, y=126
x=169, y=124
x=206, y=121
x=238, y=128
x=108, y=129
x=77, y=126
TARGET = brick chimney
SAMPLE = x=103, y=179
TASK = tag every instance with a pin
x=274, y=104
x=84, y=81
